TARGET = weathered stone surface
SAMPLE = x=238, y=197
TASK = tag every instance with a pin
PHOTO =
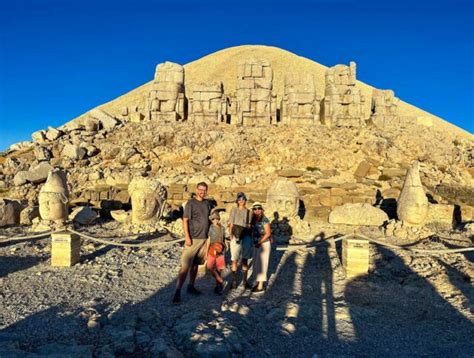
x=300, y=104
x=9, y=212
x=343, y=101
x=290, y=173
x=440, y=213
x=147, y=196
x=73, y=152
x=108, y=122
x=357, y=214
x=53, y=198
x=362, y=169
x=83, y=215
x=35, y=175
x=121, y=216
x=39, y=136
x=283, y=198
x=27, y=215
x=53, y=133
x=412, y=204
x=254, y=103
x=384, y=107
x=208, y=103
x=166, y=101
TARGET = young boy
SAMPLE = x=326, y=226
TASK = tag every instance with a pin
x=215, y=256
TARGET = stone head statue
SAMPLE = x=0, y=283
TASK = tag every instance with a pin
x=412, y=204
x=53, y=197
x=148, y=197
x=283, y=198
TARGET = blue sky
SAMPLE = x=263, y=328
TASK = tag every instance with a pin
x=59, y=59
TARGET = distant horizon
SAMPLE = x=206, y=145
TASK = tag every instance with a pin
x=59, y=59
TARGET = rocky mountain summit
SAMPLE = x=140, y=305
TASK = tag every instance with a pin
x=326, y=154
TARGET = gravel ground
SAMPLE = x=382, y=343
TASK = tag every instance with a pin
x=117, y=302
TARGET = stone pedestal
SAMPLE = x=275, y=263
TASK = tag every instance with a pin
x=355, y=257
x=65, y=249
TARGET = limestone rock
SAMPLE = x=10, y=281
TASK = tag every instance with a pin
x=108, y=122
x=83, y=215
x=42, y=153
x=53, y=133
x=39, y=136
x=440, y=213
x=73, y=152
x=28, y=214
x=357, y=214
x=35, y=175
x=121, y=216
x=9, y=212
x=412, y=204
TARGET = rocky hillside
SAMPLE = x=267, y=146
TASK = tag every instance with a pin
x=102, y=150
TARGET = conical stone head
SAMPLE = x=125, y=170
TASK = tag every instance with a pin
x=53, y=197
x=412, y=204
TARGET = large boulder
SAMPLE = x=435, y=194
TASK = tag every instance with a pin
x=35, y=175
x=83, y=215
x=73, y=152
x=108, y=122
x=357, y=214
x=9, y=212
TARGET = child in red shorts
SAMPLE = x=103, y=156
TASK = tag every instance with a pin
x=215, y=256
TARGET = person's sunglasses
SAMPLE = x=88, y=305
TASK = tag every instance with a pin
x=255, y=209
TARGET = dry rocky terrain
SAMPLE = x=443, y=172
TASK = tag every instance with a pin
x=117, y=301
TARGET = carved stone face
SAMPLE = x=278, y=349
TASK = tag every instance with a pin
x=145, y=206
x=148, y=197
x=413, y=209
x=52, y=206
x=283, y=198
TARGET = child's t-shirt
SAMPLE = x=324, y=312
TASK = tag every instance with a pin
x=216, y=233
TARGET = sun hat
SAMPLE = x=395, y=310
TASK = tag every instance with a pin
x=214, y=215
x=257, y=205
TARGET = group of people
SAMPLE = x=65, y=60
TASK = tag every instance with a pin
x=205, y=241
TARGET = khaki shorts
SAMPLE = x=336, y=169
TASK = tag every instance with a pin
x=194, y=254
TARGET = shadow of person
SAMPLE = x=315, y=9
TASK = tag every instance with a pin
x=397, y=312
x=9, y=265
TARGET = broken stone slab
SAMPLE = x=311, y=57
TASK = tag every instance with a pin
x=42, y=154
x=121, y=216
x=19, y=146
x=53, y=133
x=73, y=152
x=39, y=136
x=108, y=122
x=362, y=169
x=440, y=213
x=9, y=212
x=357, y=214
x=37, y=175
x=27, y=215
x=83, y=215
x=290, y=173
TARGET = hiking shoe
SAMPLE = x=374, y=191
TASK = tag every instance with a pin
x=177, y=297
x=193, y=290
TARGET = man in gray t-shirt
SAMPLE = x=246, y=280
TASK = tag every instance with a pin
x=196, y=227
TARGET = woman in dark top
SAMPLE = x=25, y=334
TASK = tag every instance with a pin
x=261, y=234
